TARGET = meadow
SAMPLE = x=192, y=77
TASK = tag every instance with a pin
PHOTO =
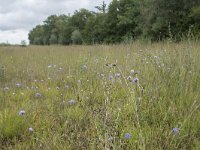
x=120, y=97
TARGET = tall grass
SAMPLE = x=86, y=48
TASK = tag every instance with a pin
x=88, y=97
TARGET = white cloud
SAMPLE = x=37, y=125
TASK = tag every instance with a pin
x=18, y=17
x=13, y=36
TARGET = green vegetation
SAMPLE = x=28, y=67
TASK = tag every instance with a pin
x=134, y=96
x=122, y=21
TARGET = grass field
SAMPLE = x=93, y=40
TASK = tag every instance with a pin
x=135, y=96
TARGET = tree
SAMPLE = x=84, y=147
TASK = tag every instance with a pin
x=102, y=7
x=23, y=43
x=76, y=37
x=53, y=39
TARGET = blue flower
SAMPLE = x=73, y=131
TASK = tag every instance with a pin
x=127, y=135
x=117, y=75
x=135, y=80
x=38, y=95
x=176, y=130
x=110, y=77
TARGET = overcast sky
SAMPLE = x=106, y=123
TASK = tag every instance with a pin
x=18, y=17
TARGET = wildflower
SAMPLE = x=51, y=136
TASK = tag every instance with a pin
x=110, y=77
x=79, y=81
x=38, y=95
x=132, y=71
x=102, y=75
x=35, y=80
x=176, y=130
x=111, y=139
x=66, y=86
x=135, y=80
x=71, y=102
x=18, y=85
x=21, y=113
x=84, y=67
x=41, y=80
x=30, y=129
x=117, y=75
x=6, y=88
x=60, y=68
x=129, y=78
x=127, y=135
x=49, y=66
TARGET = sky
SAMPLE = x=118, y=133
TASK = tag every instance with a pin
x=18, y=17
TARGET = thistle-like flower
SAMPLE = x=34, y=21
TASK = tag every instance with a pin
x=132, y=71
x=176, y=130
x=71, y=102
x=129, y=78
x=135, y=80
x=18, y=85
x=30, y=129
x=21, y=113
x=38, y=95
x=127, y=135
x=117, y=75
x=110, y=77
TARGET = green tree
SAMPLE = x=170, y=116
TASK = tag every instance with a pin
x=76, y=37
x=53, y=39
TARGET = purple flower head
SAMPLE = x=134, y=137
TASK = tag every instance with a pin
x=135, y=80
x=71, y=102
x=127, y=135
x=176, y=130
x=110, y=77
x=38, y=95
x=18, y=85
x=30, y=129
x=21, y=113
x=117, y=75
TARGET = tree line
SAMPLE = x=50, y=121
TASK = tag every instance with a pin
x=121, y=20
